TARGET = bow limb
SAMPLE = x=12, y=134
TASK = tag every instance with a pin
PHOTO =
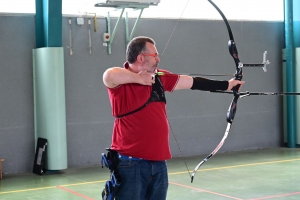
x=212, y=153
x=230, y=116
x=232, y=47
x=238, y=76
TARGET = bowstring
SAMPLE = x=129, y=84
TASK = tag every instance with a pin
x=175, y=28
x=181, y=154
x=180, y=151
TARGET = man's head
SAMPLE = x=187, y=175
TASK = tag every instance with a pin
x=136, y=46
x=142, y=50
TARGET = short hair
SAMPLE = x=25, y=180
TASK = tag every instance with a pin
x=136, y=46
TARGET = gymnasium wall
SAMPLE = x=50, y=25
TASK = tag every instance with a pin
x=197, y=118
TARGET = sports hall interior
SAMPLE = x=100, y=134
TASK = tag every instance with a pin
x=258, y=160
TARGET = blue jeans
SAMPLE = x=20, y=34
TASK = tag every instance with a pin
x=142, y=180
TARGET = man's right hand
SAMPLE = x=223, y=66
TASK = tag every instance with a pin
x=146, y=78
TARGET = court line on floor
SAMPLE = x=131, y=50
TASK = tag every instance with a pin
x=75, y=193
x=236, y=166
x=275, y=196
x=206, y=191
x=51, y=187
x=174, y=173
x=27, y=190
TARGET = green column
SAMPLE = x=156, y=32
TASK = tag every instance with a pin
x=296, y=23
x=290, y=75
x=49, y=104
x=48, y=23
x=285, y=133
x=49, y=83
x=296, y=42
x=296, y=34
x=297, y=77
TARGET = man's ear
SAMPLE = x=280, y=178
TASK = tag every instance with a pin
x=140, y=58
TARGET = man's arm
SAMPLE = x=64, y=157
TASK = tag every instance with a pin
x=115, y=76
x=199, y=83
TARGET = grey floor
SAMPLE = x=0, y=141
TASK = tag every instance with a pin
x=252, y=175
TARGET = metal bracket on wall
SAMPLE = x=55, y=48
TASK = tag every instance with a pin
x=112, y=36
x=122, y=6
x=129, y=37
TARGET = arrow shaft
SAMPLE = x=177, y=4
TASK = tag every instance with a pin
x=231, y=75
x=259, y=93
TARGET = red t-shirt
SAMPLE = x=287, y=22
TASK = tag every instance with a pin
x=145, y=133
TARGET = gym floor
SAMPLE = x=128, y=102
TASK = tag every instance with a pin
x=252, y=175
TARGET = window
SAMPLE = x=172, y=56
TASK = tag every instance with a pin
x=17, y=6
x=254, y=10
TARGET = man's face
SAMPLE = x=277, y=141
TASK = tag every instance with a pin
x=151, y=60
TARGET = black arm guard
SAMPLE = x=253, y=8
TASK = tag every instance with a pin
x=201, y=83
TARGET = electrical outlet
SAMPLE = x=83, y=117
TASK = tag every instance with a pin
x=80, y=21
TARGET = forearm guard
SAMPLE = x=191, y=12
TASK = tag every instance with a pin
x=201, y=83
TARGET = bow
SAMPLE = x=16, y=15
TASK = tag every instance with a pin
x=236, y=95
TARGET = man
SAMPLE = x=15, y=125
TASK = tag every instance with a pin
x=141, y=129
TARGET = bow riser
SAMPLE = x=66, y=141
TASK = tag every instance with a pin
x=232, y=109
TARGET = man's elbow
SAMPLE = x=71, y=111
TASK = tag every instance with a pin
x=108, y=77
